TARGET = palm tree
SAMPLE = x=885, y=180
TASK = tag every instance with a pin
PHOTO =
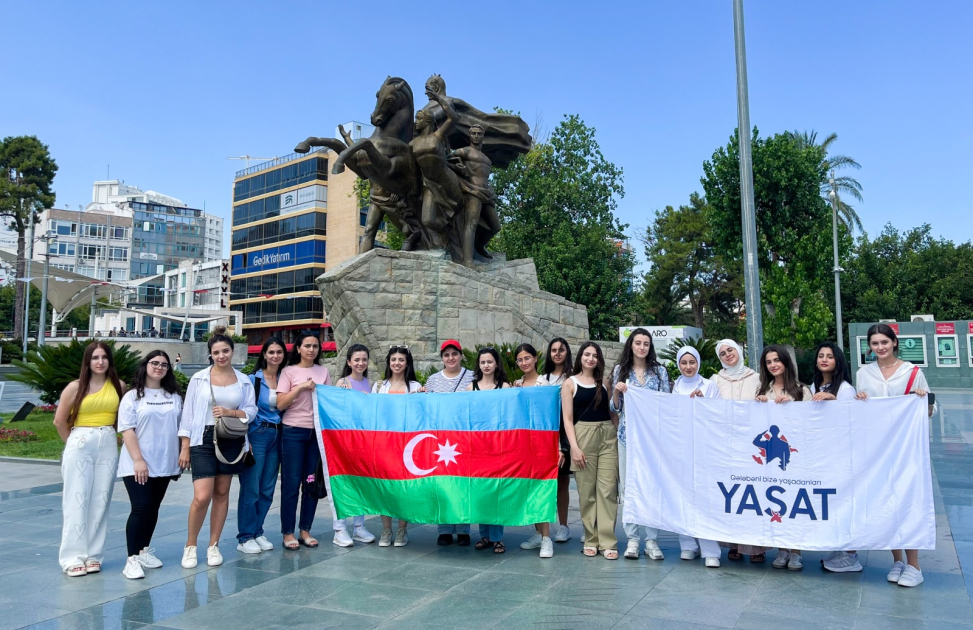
x=845, y=185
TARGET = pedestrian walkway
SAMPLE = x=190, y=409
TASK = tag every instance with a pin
x=428, y=587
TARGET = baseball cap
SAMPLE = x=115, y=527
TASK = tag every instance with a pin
x=448, y=343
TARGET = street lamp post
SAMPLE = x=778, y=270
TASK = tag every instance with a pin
x=755, y=340
x=48, y=238
x=833, y=194
x=30, y=255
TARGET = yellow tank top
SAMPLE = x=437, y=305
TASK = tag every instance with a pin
x=99, y=409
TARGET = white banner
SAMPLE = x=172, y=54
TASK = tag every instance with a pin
x=818, y=476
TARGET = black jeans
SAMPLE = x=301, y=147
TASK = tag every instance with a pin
x=146, y=499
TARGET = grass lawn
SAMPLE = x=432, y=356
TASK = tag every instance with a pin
x=47, y=446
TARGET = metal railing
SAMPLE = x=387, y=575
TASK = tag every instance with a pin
x=263, y=166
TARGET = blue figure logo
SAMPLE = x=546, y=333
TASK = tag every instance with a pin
x=773, y=446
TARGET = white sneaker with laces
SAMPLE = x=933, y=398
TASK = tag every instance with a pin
x=263, y=543
x=911, y=576
x=688, y=554
x=896, y=572
x=133, y=569
x=531, y=543
x=250, y=546
x=148, y=560
x=712, y=563
x=780, y=562
x=632, y=550
x=652, y=551
x=213, y=556
x=189, y=557
x=362, y=535
x=547, y=547
x=386, y=539
x=563, y=534
x=842, y=562
x=794, y=563
x=401, y=538
x=342, y=539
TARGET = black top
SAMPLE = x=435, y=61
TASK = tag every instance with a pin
x=585, y=408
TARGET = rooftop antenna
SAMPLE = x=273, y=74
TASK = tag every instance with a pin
x=250, y=157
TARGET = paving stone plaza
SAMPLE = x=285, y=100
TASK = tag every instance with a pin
x=425, y=586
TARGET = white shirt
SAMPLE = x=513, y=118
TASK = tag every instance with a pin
x=383, y=387
x=197, y=408
x=871, y=381
x=155, y=418
x=845, y=392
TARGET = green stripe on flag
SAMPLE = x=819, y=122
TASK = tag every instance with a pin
x=444, y=499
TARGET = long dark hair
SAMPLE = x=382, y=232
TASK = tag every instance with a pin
x=262, y=359
x=884, y=329
x=219, y=335
x=599, y=373
x=168, y=381
x=627, y=360
x=84, y=380
x=499, y=375
x=410, y=370
x=841, y=374
x=791, y=385
x=549, y=361
x=295, y=357
x=357, y=347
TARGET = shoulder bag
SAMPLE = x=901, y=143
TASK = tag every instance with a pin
x=226, y=429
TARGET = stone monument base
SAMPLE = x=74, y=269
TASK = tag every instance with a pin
x=383, y=298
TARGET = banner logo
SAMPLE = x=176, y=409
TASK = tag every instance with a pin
x=772, y=444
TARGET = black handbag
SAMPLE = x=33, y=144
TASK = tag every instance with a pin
x=316, y=486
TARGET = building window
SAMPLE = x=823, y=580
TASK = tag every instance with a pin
x=63, y=228
x=92, y=252
x=118, y=233
x=61, y=249
x=118, y=253
x=182, y=299
x=182, y=279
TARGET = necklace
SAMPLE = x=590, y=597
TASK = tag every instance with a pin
x=885, y=367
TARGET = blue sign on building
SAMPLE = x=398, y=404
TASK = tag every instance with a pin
x=278, y=257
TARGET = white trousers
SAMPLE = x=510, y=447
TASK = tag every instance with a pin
x=88, y=467
x=632, y=530
x=706, y=548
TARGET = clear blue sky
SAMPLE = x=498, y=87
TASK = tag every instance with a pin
x=165, y=91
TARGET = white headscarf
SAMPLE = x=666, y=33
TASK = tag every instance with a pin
x=737, y=371
x=683, y=385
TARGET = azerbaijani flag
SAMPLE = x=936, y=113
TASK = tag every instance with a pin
x=464, y=457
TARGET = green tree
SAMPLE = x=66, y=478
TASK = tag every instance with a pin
x=556, y=205
x=27, y=172
x=53, y=367
x=846, y=186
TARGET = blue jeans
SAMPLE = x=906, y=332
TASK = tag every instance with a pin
x=299, y=457
x=257, y=482
x=493, y=533
x=454, y=529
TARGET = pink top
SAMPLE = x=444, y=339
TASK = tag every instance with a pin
x=301, y=411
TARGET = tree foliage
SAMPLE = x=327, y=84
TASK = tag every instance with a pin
x=556, y=205
x=846, y=186
x=52, y=368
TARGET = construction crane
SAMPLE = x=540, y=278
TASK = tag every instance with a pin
x=250, y=157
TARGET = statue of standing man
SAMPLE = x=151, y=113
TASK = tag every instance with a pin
x=480, y=207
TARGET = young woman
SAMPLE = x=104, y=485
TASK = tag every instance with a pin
x=353, y=376
x=737, y=382
x=891, y=376
x=557, y=369
x=400, y=378
x=691, y=384
x=257, y=482
x=148, y=419
x=85, y=420
x=592, y=434
x=489, y=375
x=299, y=453
x=638, y=367
x=779, y=384
x=219, y=391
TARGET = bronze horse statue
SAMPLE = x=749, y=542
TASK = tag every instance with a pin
x=385, y=159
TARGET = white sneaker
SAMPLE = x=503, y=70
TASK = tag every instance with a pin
x=547, y=547
x=842, y=562
x=189, y=557
x=563, y=534
x=688, y=554
x=148, y=560
x=632, y=550
x=133, y=569
x=362, y=535
x=263, y=543
x=342, y=539
x=794, y=563
x=712, y=563
x=911, y=576
x=531, y=543
x=401, y=538
x=896, y=572
x=780, y=562
x=386, y=539
x=213, y=556
x=250, y=546
x=652, y=551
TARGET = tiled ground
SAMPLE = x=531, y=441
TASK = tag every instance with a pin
x=425, y=586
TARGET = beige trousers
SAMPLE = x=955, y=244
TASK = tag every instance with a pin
x=598, y=483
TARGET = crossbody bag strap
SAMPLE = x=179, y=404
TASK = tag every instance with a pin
x=460, y=379
x=912, y=380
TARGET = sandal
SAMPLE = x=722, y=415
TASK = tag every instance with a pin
x=734, y=555
x=483, y=543
x=310, y=542
x=610, y=554
x=92, y=566
x=498, y=547
x=591, y=552
x=76, y=571
x=757, y=558
x=291, y=545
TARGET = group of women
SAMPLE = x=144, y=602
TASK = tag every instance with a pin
x=164, y=435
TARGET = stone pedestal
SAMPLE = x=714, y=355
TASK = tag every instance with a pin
x=419, y=299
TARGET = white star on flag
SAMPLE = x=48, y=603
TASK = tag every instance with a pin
x=447, y=453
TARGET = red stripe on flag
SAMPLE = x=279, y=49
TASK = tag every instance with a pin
x=522, y=454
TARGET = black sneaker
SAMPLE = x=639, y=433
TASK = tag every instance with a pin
x=444, y=539
x=463, y=540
